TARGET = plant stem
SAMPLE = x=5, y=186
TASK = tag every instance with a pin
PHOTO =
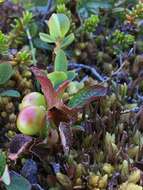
x=93, y=70
x=31, y=46
x=49, y=4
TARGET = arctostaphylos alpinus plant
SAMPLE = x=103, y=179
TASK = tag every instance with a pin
x=49, y=115
x=59, y=25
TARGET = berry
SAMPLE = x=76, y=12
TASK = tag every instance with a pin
x=33, y=99
x=31, y=120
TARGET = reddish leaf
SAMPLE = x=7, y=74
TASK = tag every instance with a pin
x=66, y=135
x=47, y=87
x=62, y=114
x=71, y=171
x=57, y=110
x=57, y=116
x=18, y=145
x=40, y=149
x=61, y=88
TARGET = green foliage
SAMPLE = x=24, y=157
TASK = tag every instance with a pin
x=2, y=163
x=5, y=177
x=135, y=13
x=10, y=93
x=91, y=23
x=86, y=95
x=60, y=75
x=121, y=41
x=62, y=9
x=6, y=72
x=1, y=1
x=4, y=174
x=3, y=44
x=60, y=58
x=67, y=40
x=18, y=32
x=23, y=57
x=27, y=4
x=86, y=8
x=62, y=1
x=18, y=182
x=59, y=25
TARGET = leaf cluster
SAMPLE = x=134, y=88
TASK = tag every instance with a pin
x=121, y=41
x=135, y=13
x=3, y=44
x=59, y=26
x=91, y=23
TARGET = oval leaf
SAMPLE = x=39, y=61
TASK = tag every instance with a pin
x=67, y=40
x=71, y=75
x=2, y=163
x=6, y=72
x=86, y=95
x=64, y=24
x=18, y=182
x=57, y=78
x=46, y=38
x=6, y=177
x=59, y=25
x=10, y=93
x=54, y=26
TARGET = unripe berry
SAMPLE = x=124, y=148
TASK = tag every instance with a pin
x=33, y=99
x=31, y=120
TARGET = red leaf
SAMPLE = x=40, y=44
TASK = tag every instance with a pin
x=47, y=87
x=57, y=116
x=57, y=110
x=62, y=114
x=61, y=88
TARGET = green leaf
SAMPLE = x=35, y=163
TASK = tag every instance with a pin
x=46, y=38
x=71, y=75
x=86, y=8
x=57, y=78
x=38, y=43
x=64, y=24
x=67, y=41
x=10, y=93
x=6, y=72
x=2, y=163
x=54, y=26
x=18, y=182
x=59, y=25
x=6, y=177
x=86, y=95
x=61, y=63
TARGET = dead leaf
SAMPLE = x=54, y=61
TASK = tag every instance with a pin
x=18, y=145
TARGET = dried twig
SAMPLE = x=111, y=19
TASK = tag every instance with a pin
x=48, y=9
x=91, y=69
